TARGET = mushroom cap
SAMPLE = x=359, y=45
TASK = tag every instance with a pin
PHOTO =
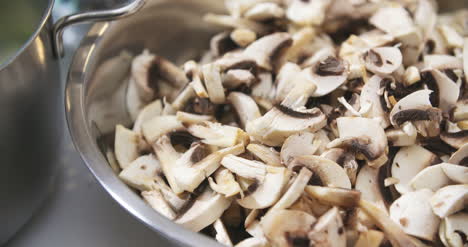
x=449, y=199
x=327, y=74
x=456, y=173
x=456, y=229
x=383, y=60
x=266, y=50
x=297, y=145
x=431, y=177
x=418, y=100
x=413, y=212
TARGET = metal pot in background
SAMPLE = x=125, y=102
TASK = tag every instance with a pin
x=31, y=103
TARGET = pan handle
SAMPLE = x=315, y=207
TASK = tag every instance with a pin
x=94, y=16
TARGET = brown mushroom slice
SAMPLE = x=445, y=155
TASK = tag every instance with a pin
x=225, y=183
x=383, y=60
x=268, y=191
x=371, y=95
x=236, y=22
x=307, y=13
x=160, y=125
x=280, y=122
x=362, y=135
x=456, y=229
x=212, y=78
x=217, y=134
x=268, y=155
x=413, y=212
x=367, y=182
x=284, y=227
x=345, y=198
x=392, y=230
x=245, y=106
x=449, y=200
x=221, y=233
x=156, y=200
x=460, y=157
x=303, y=143
x=190, y=118
x=328, y=74
x=295, y=190
x=206, y=209
x=431, y=177
x=329, y=230
x=236, y=77
x=442, y=62
x=126, y=146
x=329, y=173
x=448, y=90
x=243, y=37
x=149, y=111
x=167, y=157
x=266, y=50
x=142, y=172
x=264, y=12
x=456, y=173
x=408, y=162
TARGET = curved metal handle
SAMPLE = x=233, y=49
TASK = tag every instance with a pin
x=102, y=15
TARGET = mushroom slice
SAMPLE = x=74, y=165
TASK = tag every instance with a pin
x=328, y=74
x=285, y=80
x=267, y=154
x=456, y=173
x=299, y=144
x=392, y=230
x=181, y=100
x=448, y=90
x=189, y=118
x=371, y=95
x=460, y=111
x=411, y=76
x=236, y=77
x=149, y=111
x=408, y=162
x=334, y=196
x=455, y=139
x=156, y=200
x=383, y=60
x=236, y=22
x=265, y=11
x=245, y=168
x=183, y=167
x=449, y=200
x=452, y=37
x=217, y=134
x=212, y=78
x=300, y=92
x=460, y=157
x=267, y=191
x=227, y=63
x=245, y=106
x=406, y=136
x=280, y=122
x=295, y=190
x=284, y=227
x=413, y=212
x=329, y=173
x=346, y=159
x=442, y=62
x=225, y=183
x=193, y=72
x=252, y=242
x=364, y=136
x=307, y=13
x=206, y=209
x=465, y=57
x=329, y=230
x=160, y=125
x=126, y=145
x=222, y=43
x=221, y=233
x=142, y=172
x=431, y=177
x=456, y=229
x=167, y=157
x=370, y=238
x=266, y=50
x=243, y=37
x=133, y=101
x=367, y=182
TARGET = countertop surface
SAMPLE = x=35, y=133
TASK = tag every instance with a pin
x=78, y=211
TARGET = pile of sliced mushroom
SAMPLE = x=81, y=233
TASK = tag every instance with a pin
x=308, y=123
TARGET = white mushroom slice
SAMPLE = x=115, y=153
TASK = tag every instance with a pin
x=193, y=72
x=456, y=173
x=264, y=11
x=362, y=135
x=334, y=196
x=280, y=122
x=425, y=17
x=160, y=125
x=236, y=22
x=460, y=111
x=455, y=139
x=212, y=78
x=221, y=44
x=206, y=209
x=133, y=101
x=449, y=200
x=401, y=138
x=329, y=230
x=300, y=92
x=245, y=106
x=243, y=37
x=328, y=74
x=370, y=238
x=285, y=80
x=221, y=233
x=190, y=118
x=149, y=111
x=167, y=157
x=268, y=155
x=411, y=75
x=448, y=90
x=252, y=242
x=460, y=157
x=178, y=203
x=329, y=173
x=249, y=169
x=157, y=202
x=345, y=159
x=431, y=177
x=183, y=97
x=238, y=7
x=126, y=146
x=383, y=60
x=408, y=162
x=237, y=77
x=465, y=56
x=392, y=230
x=299, y=144
x=451, y=36
x=268, y=191
x=113, y=163
x=217, y=134
x=456, y=229
x=370, y=95
x=225, y=183
x=295, y=190
x=140, y=75
x=286, y=227
x=266, y=50
x=142, y=172
x=302, y=39
x=413, y=212
x=367, y=182
x=306, y=13
x=442, y=62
